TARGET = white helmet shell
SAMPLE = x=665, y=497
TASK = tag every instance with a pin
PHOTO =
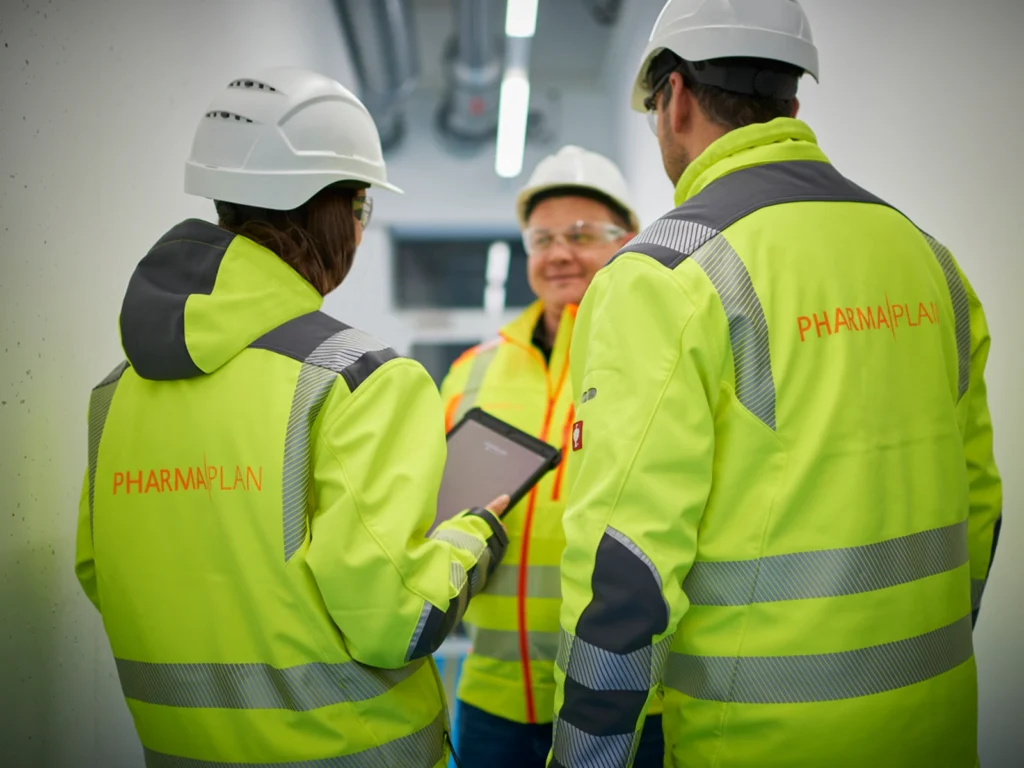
x=574, y=166
x=276, y=139
x=698, y=30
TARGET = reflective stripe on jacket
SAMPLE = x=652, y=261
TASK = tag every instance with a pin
x=252, y=526
x=785, y=505
x=514, y=622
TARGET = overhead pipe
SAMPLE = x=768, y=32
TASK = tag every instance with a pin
x=468, y=113
x=382, y=44
x=605, y=12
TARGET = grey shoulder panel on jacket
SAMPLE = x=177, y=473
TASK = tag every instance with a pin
x=678, y=234
x=318, y=339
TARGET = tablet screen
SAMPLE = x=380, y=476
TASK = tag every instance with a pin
x=482, y=465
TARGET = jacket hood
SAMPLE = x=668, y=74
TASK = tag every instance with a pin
x=201, y=296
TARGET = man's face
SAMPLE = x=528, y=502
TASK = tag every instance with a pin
x=568, y=240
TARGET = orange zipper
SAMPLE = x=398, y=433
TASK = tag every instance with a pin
x=524, y=552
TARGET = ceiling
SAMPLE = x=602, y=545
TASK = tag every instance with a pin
x=568, y=49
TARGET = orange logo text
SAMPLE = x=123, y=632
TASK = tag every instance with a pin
x=889, y=318
x=208, y=478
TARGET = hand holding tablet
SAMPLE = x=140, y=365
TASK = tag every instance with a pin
x=487, y=459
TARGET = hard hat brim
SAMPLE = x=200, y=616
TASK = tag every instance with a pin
x=282, y=191
x=527, y=194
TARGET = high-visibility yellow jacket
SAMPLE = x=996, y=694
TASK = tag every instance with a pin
x=252, y=526
x=784, y=503
x=513, y=623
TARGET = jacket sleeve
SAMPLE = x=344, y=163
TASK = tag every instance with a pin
x=986, y=489
x=392, y=591
x=639, y=480
x=85, y=562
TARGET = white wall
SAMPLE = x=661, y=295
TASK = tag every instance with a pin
x=919, y=102
x=98, y=102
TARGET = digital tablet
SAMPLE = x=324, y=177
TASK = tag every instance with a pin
x=488, y=457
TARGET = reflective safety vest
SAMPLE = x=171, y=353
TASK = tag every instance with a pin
x=784, y=505
x=514, y=623
x=253, y=522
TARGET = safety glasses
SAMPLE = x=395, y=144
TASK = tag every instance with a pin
x=651, y=102
x=580, y=236
x=362, y=209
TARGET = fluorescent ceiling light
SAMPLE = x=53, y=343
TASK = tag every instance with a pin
x=513, y=110
x=521, y=18
x=499, y=254
x=494, y=300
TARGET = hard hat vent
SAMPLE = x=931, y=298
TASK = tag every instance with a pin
x=222, y=115
x=252, y=84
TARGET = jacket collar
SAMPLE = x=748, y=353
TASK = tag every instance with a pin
x=780, y=140
x=520, y=331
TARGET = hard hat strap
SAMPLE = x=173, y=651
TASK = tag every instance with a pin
x=751, y=77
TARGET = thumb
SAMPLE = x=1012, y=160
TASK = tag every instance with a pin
x=499, y=505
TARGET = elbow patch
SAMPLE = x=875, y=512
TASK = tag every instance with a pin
x=612, y=662
x=628, y=608
x=435, y=625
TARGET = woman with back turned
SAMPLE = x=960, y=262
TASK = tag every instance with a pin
x=261, y=476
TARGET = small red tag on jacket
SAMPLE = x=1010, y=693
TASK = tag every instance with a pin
x=577, y=435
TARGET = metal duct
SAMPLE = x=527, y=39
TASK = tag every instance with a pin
x=382, y=45
x=468, y=115
x=605, y=12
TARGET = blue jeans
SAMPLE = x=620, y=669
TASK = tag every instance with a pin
x=488, y=741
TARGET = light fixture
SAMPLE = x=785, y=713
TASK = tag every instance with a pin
x=499, y=254
x=521, y=18
x=514, y=98
x=513, y=112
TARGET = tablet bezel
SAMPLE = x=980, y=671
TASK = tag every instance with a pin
x=533, y=444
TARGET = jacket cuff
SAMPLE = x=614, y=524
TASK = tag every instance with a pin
x=497, y=529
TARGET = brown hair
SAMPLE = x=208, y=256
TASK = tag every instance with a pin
x=317, y=239
x=724, y=108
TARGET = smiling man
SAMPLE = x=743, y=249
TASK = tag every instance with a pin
x=575, y=214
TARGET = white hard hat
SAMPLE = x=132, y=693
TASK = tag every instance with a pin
x=701, y=30
x=277, y=138
x=574, y=167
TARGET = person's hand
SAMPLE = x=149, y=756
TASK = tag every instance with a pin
x=498, y=506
